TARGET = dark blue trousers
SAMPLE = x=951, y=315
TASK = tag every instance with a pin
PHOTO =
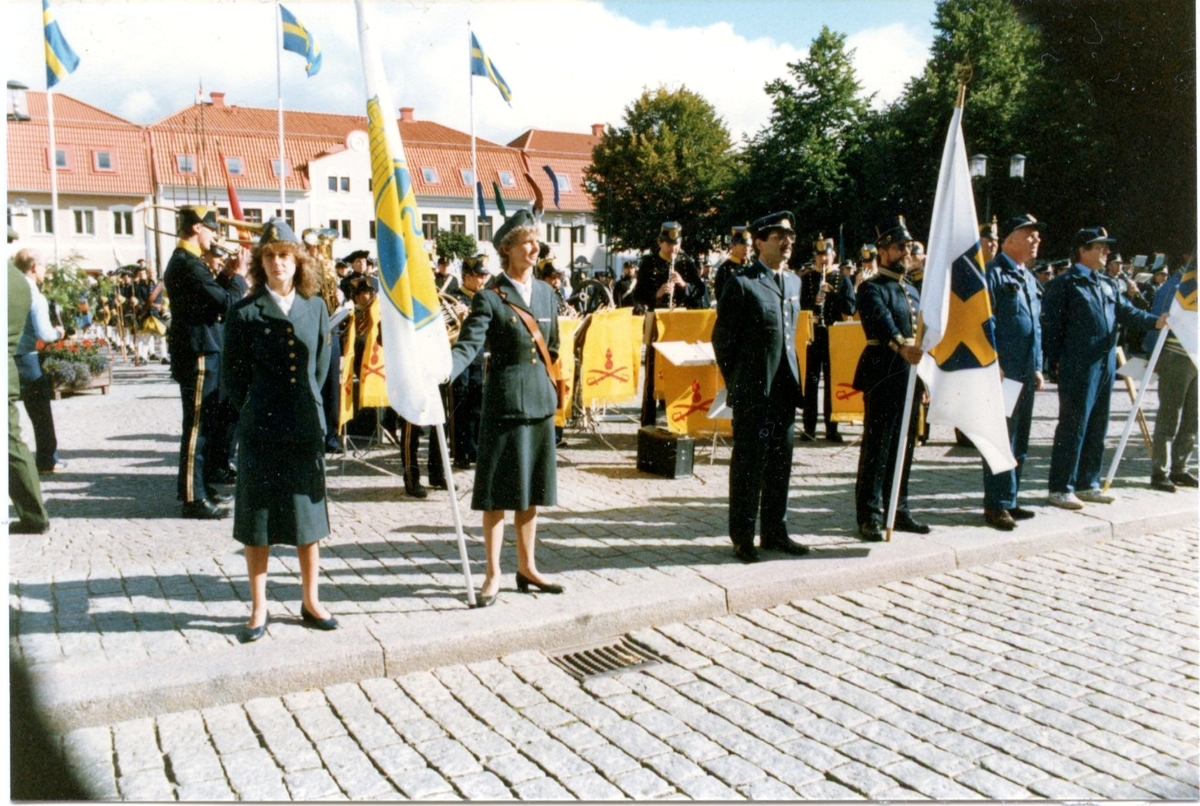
x=760, y=468
x=1000, y=489
x=1084, y=395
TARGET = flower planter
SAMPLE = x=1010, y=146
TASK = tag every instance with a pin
x=101, y=382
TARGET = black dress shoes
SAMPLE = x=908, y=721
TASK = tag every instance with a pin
x=23, y=528
x=438, y=484
x=225, y=475
x=416, y=490
x=871, y=532
x=320, y=623
x=248, y=635
x=999, y=519
x=204, y=510
x=220, y=499
x=1019, y=514
x=524, y=583
x=1162, y=484
x=1184, y=479
x=905, y=523
x=333, y=445
x=835, y=437
x=746, y=553
x=786, y=545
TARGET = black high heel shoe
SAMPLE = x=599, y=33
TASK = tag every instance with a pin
x=248, y=635
x=523, y=583
x=320, y=623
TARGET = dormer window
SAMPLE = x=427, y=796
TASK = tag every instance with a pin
x=234, y=166
x=468, y=178
x=102, y=160
x=287, y=168
x=62, y=159
x=185, y=163
x=430, y=175
x=507, y=179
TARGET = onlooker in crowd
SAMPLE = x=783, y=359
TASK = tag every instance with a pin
x=1017, y=308
x=1175, y=424
x=24, y=488
x=754, y=340
x=623, y=290
x=989, y=240
x=868, y=264
x=739, y=247
x=1081, y=310
x=36, y=389
x=446, y=282
x=275, y=360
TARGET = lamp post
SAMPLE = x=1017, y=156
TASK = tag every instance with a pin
x=1016, y=171
x=978, y=164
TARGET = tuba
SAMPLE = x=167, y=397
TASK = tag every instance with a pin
x=320, y=246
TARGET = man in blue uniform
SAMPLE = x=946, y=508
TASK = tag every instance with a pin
x=830, y=296
x=739, y=256
x=754, y=339
x=1081, y=312
x=199, y=302
x=887, y=305
x=1017, y=308
x=467, y=389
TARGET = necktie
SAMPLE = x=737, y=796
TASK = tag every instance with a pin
x=779, y=281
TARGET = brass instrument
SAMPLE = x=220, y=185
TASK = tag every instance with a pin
x=245, y=226
x=450, y=315
x=320, y=246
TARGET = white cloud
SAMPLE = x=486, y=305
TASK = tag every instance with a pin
x=570, y=63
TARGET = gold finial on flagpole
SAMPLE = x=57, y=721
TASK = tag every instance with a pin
x=965, y=71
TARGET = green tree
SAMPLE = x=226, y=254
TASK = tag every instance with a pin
x=671, y=160
x=455, y=245
x=800, y=160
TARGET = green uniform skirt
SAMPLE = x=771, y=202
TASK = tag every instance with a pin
x=280, y=497
x=515, y=468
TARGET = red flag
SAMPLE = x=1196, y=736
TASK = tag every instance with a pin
x=235, y=206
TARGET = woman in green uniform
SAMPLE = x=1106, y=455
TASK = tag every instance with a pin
x=516, y=461
x=275, y=359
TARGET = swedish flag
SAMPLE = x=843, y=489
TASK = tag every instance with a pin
x=970, y=338
x=297, y=39
x=61, y=61
x=1182, y=317
x=481, y=65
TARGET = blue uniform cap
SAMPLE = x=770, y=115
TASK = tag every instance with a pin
x=276, y=230
x=1021, y=221
x=1091, y=235
x=781, y=221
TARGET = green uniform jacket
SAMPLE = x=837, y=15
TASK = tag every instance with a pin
x=20, y=299
x=517, y=385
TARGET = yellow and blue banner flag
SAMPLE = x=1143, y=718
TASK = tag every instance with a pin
x=61, y=61
x=416, y=349
x=960, y=366
x=1182, y=317
x=481, y=65
x=297, y=39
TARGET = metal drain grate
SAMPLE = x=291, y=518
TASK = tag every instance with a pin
x=622, y=656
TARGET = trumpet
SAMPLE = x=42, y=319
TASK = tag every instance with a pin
x=244, y=226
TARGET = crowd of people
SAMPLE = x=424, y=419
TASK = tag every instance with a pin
x=253, y=339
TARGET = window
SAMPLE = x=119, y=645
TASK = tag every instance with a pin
x=342, y=226
x=102, y=160
x=467, y=177
x=485, y=229
x=370, y=184
x=550, y=233
x=564, y=182
x=339, y=182
x=287, y=215
x=458, y=223
x=252, y=215
x=123, y=222
x=507, y=180
x=345, y=183
x=333, y=184
x=62, y=160
x=43, y=220
x=371, y=228
x=85, y=222
x=346, y=229
x=234, y=166
x=429, y=175
x=429, y=226
x=186, y=163
x=287, y=168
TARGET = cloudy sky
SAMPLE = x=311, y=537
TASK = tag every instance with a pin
x=570, y=63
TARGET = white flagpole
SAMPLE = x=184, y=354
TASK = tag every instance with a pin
x=474, y=161
x=279, y=91
x=53, y=171
x=901, y=449
x=1137, y=406
x=458, y=526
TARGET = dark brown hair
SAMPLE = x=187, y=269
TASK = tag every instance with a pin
x=307, y=282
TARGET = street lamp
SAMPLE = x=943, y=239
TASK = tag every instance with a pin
x=978, y=168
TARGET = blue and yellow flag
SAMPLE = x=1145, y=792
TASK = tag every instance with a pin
x=61, y=61
x=416, y=349
x=481, y=65
x=297, y=39
x=960, y=366
x=1182, y=316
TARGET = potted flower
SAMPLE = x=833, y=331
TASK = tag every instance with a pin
x=73, y=366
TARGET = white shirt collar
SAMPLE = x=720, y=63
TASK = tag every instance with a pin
x=285, y=302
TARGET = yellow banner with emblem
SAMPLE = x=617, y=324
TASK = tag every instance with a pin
x=372, y=381
x=688, y=390
x=804, y=337
x=609, y=361
x=566, y=365
x=846, y=343
x=346, y=395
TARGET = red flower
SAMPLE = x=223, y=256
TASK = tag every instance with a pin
x=41, y=345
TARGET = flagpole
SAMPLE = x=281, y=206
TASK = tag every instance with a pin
x=1137, y=406
x=458, y=526
x=53, y=171
x=279, y=91
x=901, y=449
x=474, y=159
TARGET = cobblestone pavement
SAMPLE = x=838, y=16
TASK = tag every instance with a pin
x=121, y=579
x=1071, y=675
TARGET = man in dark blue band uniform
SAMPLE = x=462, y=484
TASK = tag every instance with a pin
x=887, y=305
x=830, y=296
x=468, y=387
x=1016, y=300
x=755, y=344
x=739, y=257
x=199, y=302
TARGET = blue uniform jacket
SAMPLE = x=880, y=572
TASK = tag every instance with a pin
x=888, y=308
x=755, y=330
x=1017, y=309
x=1081, y=309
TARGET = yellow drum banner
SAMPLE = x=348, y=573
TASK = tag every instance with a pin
x=372, y=383
x=685, y=325
x=610, y=359
x=846, y=343
x=689, y=392
x=804, y=336
x=346, y=398
x=566, y=365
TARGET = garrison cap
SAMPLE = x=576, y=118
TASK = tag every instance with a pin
x=780, y=221
x=195, y=214
x=1091, y=235
x=521, y=218
x=893, y=231
x=276, y=230
x=1021, y=221
x=475, y=264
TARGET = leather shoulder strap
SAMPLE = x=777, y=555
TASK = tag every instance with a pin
x=535, y=332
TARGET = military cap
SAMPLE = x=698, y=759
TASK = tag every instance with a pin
x=361, y=284
x=740, y=235
x=990, y=230
x=276, y=230
x=547, y=269
x=195, y=214
x=1021, y=221
x=892, y=231
x=1044, y=268
x=357, y=254
x=822, y=244
x=1115, y=257
x=918, y=249
x=476, y=264
x=868, y=252
x=781, y=221
x=1091, y=235
x=670, y=231
x=521, y=218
